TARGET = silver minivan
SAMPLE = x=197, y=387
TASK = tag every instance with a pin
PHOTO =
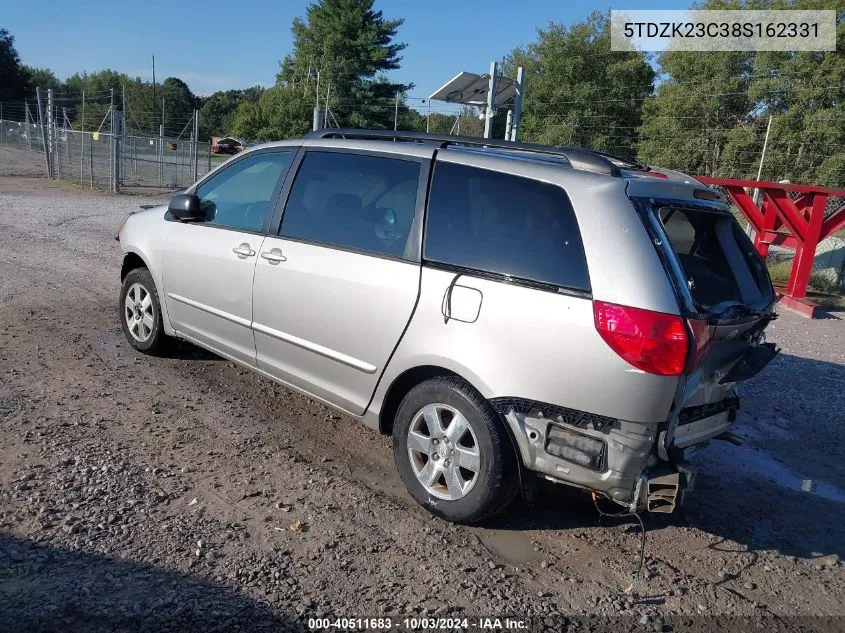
x=498, y=308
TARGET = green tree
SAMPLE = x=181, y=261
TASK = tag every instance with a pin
x=179, y=104
x=217, y=112
x=709, y=114
x=341, y=51
x=578, y=92
x=279, y=113
x=42, y=78
x=14, y=79
x=804, y=92
x=699, y=119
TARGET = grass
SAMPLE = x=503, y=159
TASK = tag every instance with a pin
x=821, y=290
x=779, y=272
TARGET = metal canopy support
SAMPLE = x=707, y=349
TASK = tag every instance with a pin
x=517, y=103
x=491, y=102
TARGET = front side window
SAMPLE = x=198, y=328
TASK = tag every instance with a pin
x=353, y=201
x=241, y=196
x=508, y=225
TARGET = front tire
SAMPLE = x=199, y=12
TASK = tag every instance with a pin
x=140, y=312
x=453, y=451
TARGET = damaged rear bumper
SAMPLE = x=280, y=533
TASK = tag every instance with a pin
x=623, y=461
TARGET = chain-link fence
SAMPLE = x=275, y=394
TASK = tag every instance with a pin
x=111, y=160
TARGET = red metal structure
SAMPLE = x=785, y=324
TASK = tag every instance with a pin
x=794, y=221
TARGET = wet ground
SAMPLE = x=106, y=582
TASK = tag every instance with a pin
x=141, y=493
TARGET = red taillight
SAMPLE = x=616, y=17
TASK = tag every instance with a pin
x=702, y=335
x=655, y=342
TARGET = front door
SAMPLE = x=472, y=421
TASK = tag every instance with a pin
x=335, y=289
x=208, y=266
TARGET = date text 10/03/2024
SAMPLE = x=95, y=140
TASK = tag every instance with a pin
x=417, y=624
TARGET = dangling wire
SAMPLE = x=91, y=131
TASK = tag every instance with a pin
x=637, y=576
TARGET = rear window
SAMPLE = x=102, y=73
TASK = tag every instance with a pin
x=502, y=224
x=719, y=261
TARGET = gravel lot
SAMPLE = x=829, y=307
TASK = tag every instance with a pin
x=184, y=493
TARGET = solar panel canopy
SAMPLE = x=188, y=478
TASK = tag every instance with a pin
x=471, y=89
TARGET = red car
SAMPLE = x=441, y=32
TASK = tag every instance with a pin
x=227, y=145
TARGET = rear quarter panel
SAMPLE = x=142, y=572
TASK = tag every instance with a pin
x=530, y=344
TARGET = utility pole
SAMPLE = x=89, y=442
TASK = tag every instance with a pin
x=756, y=197
x=43, y=136
x=396, y=113
x=763, y=154
x=318, y=114
x=491, y=102
x=517, y=103
x=326, y=113
x=428, y=117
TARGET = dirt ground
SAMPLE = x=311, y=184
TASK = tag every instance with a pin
x=184, y=493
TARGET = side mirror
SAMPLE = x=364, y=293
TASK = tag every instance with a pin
x=185, y=207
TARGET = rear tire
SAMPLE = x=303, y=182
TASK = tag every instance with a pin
x=140, y=313
x=453, y=451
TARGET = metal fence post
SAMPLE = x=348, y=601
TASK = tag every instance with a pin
x=51, y=137
x=28, y=128
x=196, y=145
x=43, y=136
x=160, y=155
x=82, y=142
x=91, y=161
x=117, y=149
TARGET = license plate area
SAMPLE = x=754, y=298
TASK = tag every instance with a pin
x=751, y=363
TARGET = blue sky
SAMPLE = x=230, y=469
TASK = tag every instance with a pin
x=220, y=44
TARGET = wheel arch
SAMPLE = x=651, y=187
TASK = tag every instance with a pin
x=132, y=260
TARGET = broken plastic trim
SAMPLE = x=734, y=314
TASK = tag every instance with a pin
x=693, y=414
x=555, y=413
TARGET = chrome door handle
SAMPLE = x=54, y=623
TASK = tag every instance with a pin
x=243, y=250
x=274, y=256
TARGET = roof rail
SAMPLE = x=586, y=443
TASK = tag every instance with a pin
x=579, y=158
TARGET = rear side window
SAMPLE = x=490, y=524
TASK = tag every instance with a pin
x=356, y=201
x=508, y=225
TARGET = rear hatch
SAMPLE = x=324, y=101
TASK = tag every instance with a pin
x=726, y=298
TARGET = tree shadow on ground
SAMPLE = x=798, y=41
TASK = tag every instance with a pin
x=46, y=588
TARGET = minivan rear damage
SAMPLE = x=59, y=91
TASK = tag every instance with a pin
x=715, y=341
